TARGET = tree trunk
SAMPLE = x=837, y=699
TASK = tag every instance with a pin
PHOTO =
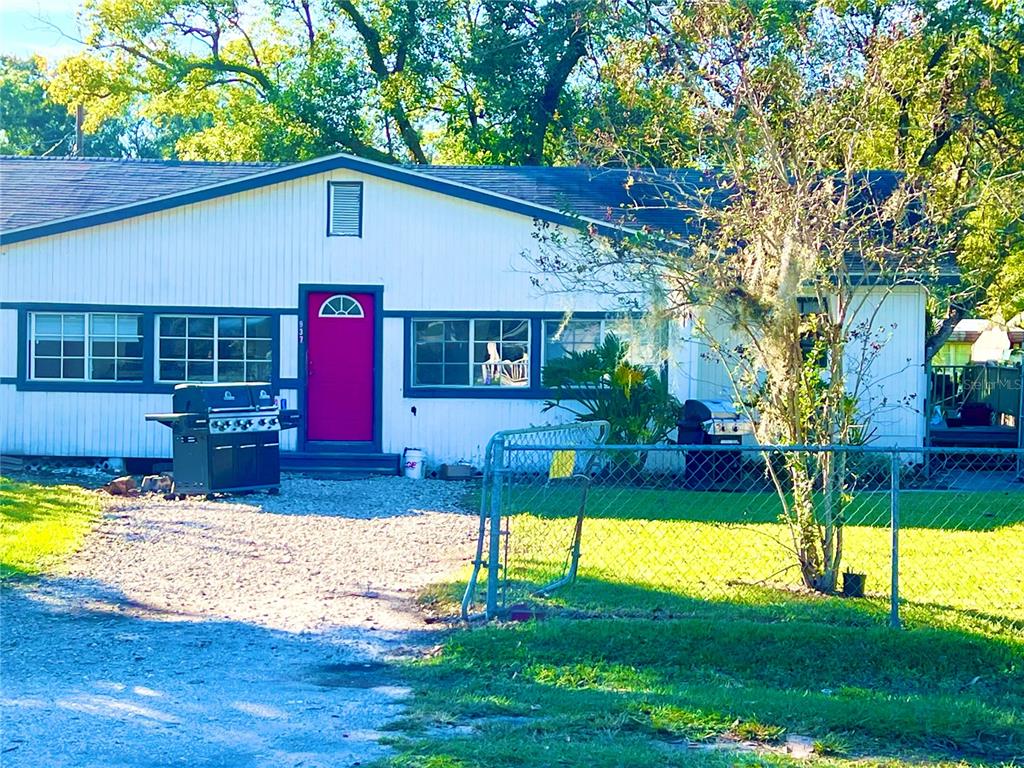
x=937, y=339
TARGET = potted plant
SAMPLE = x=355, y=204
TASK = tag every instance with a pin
x=853, y=583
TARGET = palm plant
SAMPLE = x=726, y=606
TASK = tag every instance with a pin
x=601, y=384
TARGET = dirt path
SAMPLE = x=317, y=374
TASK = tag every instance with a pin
x=225, y=634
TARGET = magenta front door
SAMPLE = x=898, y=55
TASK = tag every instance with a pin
x=340, y=347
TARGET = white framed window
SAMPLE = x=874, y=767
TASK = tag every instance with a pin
x=344, y=209
x=471, y=352
x=341, y=305
x=647, y=345
x=85, y=346
x=214, y=348
x=564, y=336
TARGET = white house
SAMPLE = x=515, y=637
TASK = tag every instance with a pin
x=393, y=306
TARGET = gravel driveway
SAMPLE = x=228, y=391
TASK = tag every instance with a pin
x=226, y=634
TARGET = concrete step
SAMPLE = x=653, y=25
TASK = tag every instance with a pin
x=340, y=463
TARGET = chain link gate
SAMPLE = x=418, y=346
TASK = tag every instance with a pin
x=563, y=454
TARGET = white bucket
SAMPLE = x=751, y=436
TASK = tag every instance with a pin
x=412, y=463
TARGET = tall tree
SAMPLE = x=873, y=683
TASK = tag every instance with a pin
x=945, y=81
x=31, y=124
x=513, y=100
x=392, y=80
x=792, y=242
x=268, y=81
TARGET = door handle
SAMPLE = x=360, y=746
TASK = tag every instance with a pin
x=309, y=367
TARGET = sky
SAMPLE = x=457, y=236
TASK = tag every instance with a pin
x=44, y=27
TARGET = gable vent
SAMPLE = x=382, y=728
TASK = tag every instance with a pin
x=345, y=209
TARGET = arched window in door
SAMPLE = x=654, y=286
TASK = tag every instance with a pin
x=341, y=305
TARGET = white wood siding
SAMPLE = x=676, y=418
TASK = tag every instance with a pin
x=253, y=250
x=8, y=342
x=289, y=346
x=81, y=424
x=893, y=387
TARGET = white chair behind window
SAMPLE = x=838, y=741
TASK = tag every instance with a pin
x=491, y=369
x=518, y=371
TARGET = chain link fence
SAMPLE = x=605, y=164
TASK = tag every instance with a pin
x=925, y=535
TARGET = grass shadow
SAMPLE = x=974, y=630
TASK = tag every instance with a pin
x=673, y=667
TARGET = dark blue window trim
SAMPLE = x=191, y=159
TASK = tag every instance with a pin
x=330, y=189
x=533, y=392
x=148, y=385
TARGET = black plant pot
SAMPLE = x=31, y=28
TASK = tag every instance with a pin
x=853, y=584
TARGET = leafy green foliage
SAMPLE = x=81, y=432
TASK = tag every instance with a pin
x=602, y=385
x=459, y=80
x=516, y=103
x=31, y=124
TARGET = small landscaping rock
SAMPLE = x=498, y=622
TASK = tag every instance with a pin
x=122, y=486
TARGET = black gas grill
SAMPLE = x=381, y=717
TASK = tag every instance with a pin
x=226, y=437
x=712, y=422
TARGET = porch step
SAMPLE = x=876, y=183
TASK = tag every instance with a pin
x=340, y=464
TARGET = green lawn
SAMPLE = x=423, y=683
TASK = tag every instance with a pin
x=39, y=525
x=960, y=510
x=961, y=553
x=668, y=639
x=623, y=692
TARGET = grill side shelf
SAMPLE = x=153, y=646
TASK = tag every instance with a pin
x=178, y=420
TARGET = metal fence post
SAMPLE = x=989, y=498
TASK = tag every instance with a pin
x=494, y=550
x=1020, y=423
x=894, y=523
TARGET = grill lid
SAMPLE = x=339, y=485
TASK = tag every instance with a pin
x=263, y=395
x=704, y=410
x=201, y=398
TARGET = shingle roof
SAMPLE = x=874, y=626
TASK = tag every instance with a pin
x=34, y=190
x=38, y=190
x=614, y=196
x=45, y=196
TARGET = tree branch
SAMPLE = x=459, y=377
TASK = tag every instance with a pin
x=378, y=65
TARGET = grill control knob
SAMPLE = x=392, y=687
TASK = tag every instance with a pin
x=262, y=422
